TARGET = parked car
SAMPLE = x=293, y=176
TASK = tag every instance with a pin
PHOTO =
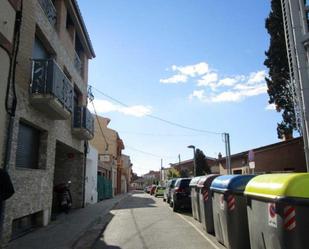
x=159, y=191
x=153, y=188
x=167, y=193
x=180, y=195
x=148, y=188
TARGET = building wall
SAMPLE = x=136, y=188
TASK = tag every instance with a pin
x=34, y=187
x=99, y=143
x=286, y=156
x=91, y=194
x=7, y=21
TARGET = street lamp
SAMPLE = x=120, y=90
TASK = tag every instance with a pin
x=194, y=159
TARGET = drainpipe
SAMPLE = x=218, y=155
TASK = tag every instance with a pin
x=86, y=148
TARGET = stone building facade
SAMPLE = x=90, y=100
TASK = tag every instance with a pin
x=52, y=121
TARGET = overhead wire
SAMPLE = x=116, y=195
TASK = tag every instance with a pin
x=100, y=127
x=105, y=139
x=159, y=118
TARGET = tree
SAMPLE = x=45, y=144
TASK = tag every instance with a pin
x=184, y=173
x=202, y=167
x=279, y=76
x=173, y=173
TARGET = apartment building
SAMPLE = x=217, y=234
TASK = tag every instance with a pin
x=109, y=146
x=52, y=122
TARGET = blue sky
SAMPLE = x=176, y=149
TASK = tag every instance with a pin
x=198, y=63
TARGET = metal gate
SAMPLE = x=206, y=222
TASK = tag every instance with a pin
x=104, y=188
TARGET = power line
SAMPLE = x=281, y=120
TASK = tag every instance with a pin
x=158, y=118
x=97, y=118
x=158, y=134
x=147, y=153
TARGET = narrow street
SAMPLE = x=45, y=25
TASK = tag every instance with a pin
x=143, y=221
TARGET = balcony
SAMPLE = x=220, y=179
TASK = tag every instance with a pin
x=77, y=63
x=50, y=90
x=83, y=123
x=49, y=10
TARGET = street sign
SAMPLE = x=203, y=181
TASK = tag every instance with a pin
x=105, y=158
x=251, y=165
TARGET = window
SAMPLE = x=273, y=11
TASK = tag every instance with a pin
x=28, y=145
x=25, y=224
x=70, y=25
x=39, y=50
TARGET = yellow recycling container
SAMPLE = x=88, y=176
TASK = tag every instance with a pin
x=278, y=211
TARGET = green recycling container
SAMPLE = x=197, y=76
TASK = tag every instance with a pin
x=278, y=211
x=195, y=198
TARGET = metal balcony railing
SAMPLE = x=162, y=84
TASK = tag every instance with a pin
x=48, y=79
x=50, y=10
x=83, y=119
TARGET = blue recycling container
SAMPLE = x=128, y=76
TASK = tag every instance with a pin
x=230, y=210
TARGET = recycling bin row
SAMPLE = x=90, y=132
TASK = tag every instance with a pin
x=246, y=211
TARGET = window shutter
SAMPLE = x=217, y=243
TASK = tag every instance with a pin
x=27, y=147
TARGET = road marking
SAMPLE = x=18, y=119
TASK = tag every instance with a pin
x=199, y=231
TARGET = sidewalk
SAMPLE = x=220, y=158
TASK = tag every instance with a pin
x=75, y=230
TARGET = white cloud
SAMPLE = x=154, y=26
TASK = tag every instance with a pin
x=257, y=77
x=104, y=106
x=199, y=94
x=238, y=88
x=229, y=81
x=178, y=78
x=192, y=70
x=270, y=107
x=222, y=89
x=136, y=110
x=183, y=73
x=209, y=79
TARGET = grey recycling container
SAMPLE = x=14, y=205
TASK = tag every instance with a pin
x=278, y=208
x=230, y=210
x=206, y=213
x=195, y=198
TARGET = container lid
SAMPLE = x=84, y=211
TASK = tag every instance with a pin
x=205, y=181
x=235, y=183
x=194, y=181
x=279, y=185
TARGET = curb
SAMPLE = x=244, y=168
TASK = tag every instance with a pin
x=88, y=239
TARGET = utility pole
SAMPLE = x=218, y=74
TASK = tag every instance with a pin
x=161, y=171
x=179, y=159
x=194, y=159
x=295, y=22
x=227, y=152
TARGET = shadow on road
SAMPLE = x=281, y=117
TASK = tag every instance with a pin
x=136, y=201
x=100, y=244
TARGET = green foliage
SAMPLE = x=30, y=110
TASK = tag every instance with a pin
x=184, y=173
x=279, y=76
x=202, y=167
x=173, y=173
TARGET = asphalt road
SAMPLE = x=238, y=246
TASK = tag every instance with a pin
x=141, y=221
